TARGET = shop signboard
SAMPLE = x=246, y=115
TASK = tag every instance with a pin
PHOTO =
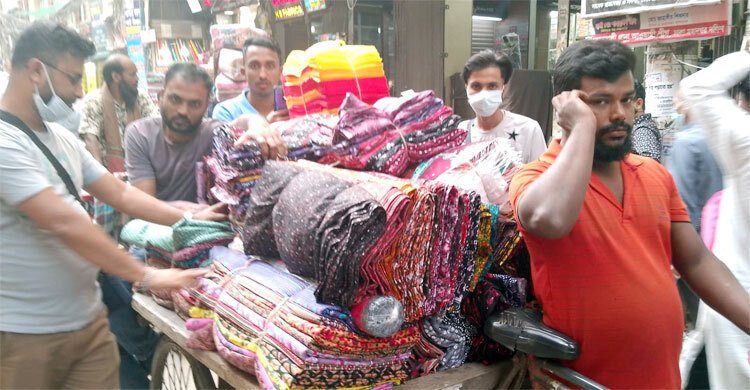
x=287, y=9
x=225, y=5
x=490, y=8
x=315, y=5
x=700, y=22
x=601, y=8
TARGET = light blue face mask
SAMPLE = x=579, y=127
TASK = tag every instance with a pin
x=678, y=120
x=56, y=110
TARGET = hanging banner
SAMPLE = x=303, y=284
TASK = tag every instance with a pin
x=709, y=21
x=600, y=8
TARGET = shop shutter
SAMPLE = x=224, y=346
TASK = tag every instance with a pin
x=482, y=35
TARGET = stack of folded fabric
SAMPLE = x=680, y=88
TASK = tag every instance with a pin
x=230, y=173
x=193, y=239
x=184, y=245
x=495, y=293
x=268, y=322
x=232, y=169
x=317, y=80
x=308, y=137
x=362, y=235
x=453, y=334
x=409, y=131
x=318, y=223
x=156, y=239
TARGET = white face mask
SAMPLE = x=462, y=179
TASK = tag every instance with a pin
x=56, y=110
x=486, y=102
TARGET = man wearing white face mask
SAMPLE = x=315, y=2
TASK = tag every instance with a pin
x=54, y=331
x=56, y=109
x=485, y=76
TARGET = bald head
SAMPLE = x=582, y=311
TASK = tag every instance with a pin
x=121, y=76
x=116, y=64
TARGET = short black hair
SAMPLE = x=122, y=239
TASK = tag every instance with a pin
x=484, y=59
x=112, y=65
x=602, y=59
x=189, y=72
x=640, y=90
x=262, y=42
x=47, y=42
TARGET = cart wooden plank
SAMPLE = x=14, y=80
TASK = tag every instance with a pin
x=468, y=376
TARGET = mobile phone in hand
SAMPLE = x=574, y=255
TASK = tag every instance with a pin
x=279, y=102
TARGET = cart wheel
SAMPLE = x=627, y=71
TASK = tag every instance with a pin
x=175, y=369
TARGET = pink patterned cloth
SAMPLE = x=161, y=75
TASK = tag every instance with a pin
x=203, y=335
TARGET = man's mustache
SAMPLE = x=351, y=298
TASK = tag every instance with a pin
x=616, y=126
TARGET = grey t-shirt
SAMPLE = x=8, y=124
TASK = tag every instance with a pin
x=149, y=156
x=44, y=286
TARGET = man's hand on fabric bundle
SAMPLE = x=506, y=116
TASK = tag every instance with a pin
x=169, y=278
x=257, y=130
x=217, y=212
x=278, y=116
x=188, y=206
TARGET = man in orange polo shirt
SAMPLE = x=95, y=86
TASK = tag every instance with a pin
x=601, y=247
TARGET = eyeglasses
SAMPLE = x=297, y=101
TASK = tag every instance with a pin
x=74, y=79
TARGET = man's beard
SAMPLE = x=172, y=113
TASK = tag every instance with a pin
x=129, y=94
x=604, y=153
x=190, y=130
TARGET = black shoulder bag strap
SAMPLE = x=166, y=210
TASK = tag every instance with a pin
x=15, y=121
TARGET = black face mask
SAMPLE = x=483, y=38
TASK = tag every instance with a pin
x=604, y=153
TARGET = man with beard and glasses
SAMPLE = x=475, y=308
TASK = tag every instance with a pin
x=161, y=152
x=602, y=247
x=108, y=110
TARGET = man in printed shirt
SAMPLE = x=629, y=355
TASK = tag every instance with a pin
x=602, y=248
x=109, y=109
x=646, y=136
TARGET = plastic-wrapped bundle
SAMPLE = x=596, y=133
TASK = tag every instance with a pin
x=483, y=167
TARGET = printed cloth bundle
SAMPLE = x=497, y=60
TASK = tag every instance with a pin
x=231, y=172
x=361, y=235
x=483, y=167
x=184, y=245
x=267, y=322
x=319, y=224
x=453, y=334
x=423, y=128
x=495, y=293
x=317, y=80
